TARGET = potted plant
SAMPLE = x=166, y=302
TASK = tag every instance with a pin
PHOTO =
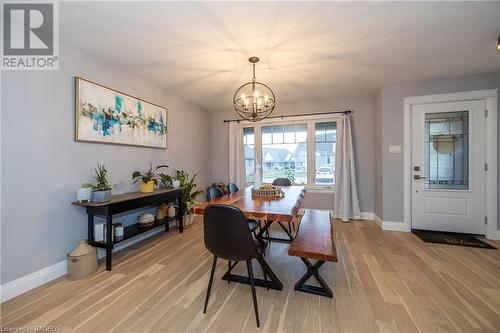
x=149, y=179
x=101, y=189
x=189, y=192
x=84, y=193
x=170, y=181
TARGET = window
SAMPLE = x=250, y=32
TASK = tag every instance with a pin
x=325, y=141
x=249, y=146
x=284, y=153
x=281, y=148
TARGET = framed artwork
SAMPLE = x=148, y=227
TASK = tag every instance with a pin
x=105, y=115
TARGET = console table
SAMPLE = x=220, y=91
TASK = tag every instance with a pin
x=125, y=202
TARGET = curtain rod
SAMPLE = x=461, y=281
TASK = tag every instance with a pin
x=293, y=115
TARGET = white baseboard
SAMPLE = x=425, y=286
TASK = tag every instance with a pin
x=31, y=281
x=395, y=226
x=362, y=216
x=367, y=216
x=493, y=236
x=389, y=225
x=26, y=283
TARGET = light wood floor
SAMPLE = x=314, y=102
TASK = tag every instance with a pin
x=383, y=282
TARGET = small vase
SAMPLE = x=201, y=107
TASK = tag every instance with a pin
x=176, y=183
x=148, y=187
x=101, y=196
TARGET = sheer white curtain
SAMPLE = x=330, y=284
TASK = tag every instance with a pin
x=236, y=155
x=346, y=203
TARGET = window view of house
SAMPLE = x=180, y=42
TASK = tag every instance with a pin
x=284, y=153
x=325, y=142
x=249, y=144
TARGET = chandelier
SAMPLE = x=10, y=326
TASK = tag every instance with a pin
x=254, y=100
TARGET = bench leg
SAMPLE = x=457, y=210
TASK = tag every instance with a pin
x=313, y=270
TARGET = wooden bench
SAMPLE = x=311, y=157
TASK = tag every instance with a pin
x=314, y=240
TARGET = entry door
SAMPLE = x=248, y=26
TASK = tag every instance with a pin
x=448, y=167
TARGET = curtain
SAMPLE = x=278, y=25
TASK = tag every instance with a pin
x=236, y=155
x=346, y=203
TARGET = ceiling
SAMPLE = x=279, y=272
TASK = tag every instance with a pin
x=313, y=50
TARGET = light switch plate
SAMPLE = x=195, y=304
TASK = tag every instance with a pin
x=395, y=149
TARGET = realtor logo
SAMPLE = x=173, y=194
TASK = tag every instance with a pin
x=30, y=39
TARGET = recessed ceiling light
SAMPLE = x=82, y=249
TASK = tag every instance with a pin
x=498, y=43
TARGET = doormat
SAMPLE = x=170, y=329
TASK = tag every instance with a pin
x=451, y=238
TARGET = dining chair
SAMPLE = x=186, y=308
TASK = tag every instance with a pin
x=227, y=236
x=285, y=182
x=282, y=182
x=232, y=187
x=214, y=192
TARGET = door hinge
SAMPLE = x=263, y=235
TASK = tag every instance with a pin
x=485, y=113
x=485, y=166
x=486, y=220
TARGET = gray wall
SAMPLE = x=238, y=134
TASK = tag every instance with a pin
x=393, y=105
x=363, y=129
x=42, y=166
x=379, y=130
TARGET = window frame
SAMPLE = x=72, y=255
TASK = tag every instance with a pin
x=310, y=122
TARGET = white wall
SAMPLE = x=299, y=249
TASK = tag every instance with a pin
x=363, y=129
x=42, y=165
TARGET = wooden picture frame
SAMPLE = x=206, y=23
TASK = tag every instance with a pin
x=106, y=115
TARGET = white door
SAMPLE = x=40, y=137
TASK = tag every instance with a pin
x=448, y=167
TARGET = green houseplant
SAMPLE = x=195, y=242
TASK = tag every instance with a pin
x=189, y=190
x=101, y=189
x=149, y=179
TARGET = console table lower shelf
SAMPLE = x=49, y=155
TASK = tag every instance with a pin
x=127, y=202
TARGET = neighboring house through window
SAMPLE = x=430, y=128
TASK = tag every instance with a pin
x=281, y=147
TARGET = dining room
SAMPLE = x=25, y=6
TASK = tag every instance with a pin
x=251, y=166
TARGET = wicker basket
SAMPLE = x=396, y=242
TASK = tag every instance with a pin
x=275, y=192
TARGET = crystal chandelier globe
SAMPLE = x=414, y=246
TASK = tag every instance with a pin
x=254, y=100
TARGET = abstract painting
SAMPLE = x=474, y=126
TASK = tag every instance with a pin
x=105, y=115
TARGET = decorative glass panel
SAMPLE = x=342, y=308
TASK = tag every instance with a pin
x=447, y=150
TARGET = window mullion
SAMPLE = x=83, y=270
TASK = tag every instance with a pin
x=258, y=150
x=311, y=151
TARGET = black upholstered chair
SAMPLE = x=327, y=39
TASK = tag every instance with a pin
x=232, y=187
x=282, y=182
x=227, y=237
x=215, y=192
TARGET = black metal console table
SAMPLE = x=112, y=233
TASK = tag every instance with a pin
x=125, y=202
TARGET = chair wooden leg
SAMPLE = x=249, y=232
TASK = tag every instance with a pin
x=228, y=268
x=214, y=263
x=250, y=275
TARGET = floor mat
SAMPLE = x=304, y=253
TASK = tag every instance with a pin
x=451, y=238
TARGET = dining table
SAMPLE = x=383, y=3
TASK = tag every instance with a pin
x=267, y=209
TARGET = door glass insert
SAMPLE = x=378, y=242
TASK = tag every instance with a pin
x=447, y=150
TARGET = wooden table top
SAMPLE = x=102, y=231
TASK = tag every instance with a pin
x=283, y=209
x=314, y=239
